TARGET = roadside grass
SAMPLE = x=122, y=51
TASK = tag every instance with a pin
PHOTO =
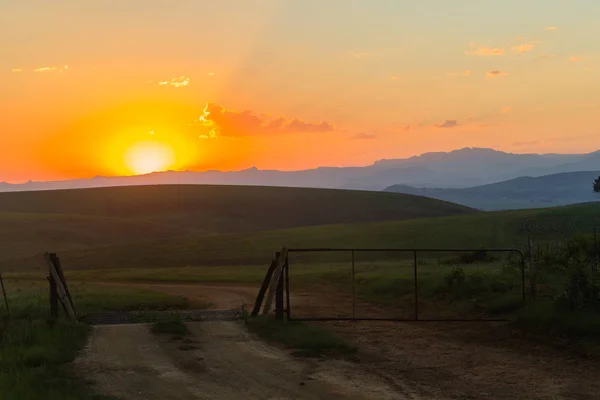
x=304, y=339
x=173, y=325
x=34, y=354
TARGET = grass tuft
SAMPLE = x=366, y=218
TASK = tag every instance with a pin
x=173, y=327
x=307, y=340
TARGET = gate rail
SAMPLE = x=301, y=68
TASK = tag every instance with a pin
x=415, y=252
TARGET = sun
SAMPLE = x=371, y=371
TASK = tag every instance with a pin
x=149, y=156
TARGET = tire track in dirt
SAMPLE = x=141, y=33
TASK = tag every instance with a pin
x=219, y=360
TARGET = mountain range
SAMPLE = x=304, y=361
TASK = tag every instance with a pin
x=464, y=168
x=519, y=193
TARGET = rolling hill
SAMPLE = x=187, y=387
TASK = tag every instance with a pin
x=32, y=222
x=493, y=229
x=524, y=192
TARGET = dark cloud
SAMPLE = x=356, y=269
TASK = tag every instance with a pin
x=449, y=123
x=493, y=74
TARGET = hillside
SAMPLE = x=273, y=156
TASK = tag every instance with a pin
x=494, y=229
x=455, y=169
x=31, y=222
x=525, y=192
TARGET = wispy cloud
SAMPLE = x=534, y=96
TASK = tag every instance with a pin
x=449, y=123
x=211, y=73
x=550, y=28
x=179, y=82
x=505, y=110
x=495, y=74
x=522, y=48
x=574, y=58
x=51, y=69
x=17, y=70
x=365, y=136
x=485, y=51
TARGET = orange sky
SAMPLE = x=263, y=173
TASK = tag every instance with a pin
x=110, y=87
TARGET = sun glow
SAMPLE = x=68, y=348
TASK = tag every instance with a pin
x=149, y=156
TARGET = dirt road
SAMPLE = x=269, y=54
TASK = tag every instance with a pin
x=436, y=360
x=219, y=360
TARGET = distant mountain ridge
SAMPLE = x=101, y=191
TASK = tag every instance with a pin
x=461, y=168
x=523, y=192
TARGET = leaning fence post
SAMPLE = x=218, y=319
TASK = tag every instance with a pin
x=53, y=297
x=263, y=289
x=279, y=299
x=275, y=280
x=4, y=295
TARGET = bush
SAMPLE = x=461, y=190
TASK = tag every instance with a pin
x=458, y=285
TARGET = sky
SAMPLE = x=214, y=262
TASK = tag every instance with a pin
x=117, y=87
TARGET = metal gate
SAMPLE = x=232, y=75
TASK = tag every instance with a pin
x=412, y=257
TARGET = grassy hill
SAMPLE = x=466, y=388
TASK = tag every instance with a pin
x=525, y=192
x=32, y=222
x=494, y=229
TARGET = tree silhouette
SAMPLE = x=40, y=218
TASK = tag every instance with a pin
x=597, y=185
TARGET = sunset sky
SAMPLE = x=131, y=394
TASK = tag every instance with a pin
x=118, y=87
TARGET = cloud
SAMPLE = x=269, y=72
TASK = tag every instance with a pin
x=449, y=123
x=16, y=70
x=494, y=74
x=217, y=121
x=394, y=77
x=522, y=48
x=365, y=136
x=505, y=110
x=467, y=73
x=520, y=38
x=574, y=58
x=550, y=28
x=178, y=82
x=51, y=69
x=211, y=73
x=485, y=51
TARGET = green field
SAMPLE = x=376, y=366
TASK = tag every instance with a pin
x=33, y=222
x=494, y=229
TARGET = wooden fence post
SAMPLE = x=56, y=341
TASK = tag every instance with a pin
x=263, y=289
x=4, y=295
x=279, y=299
x=63, y=298
x=61, y=275
x=53, y=298
x=275, y=280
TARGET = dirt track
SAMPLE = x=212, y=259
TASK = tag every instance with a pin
x=220, y=360
x=431, y=360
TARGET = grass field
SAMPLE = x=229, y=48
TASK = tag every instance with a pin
x=33, y=222
x=496, y=229
x=34, y=356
